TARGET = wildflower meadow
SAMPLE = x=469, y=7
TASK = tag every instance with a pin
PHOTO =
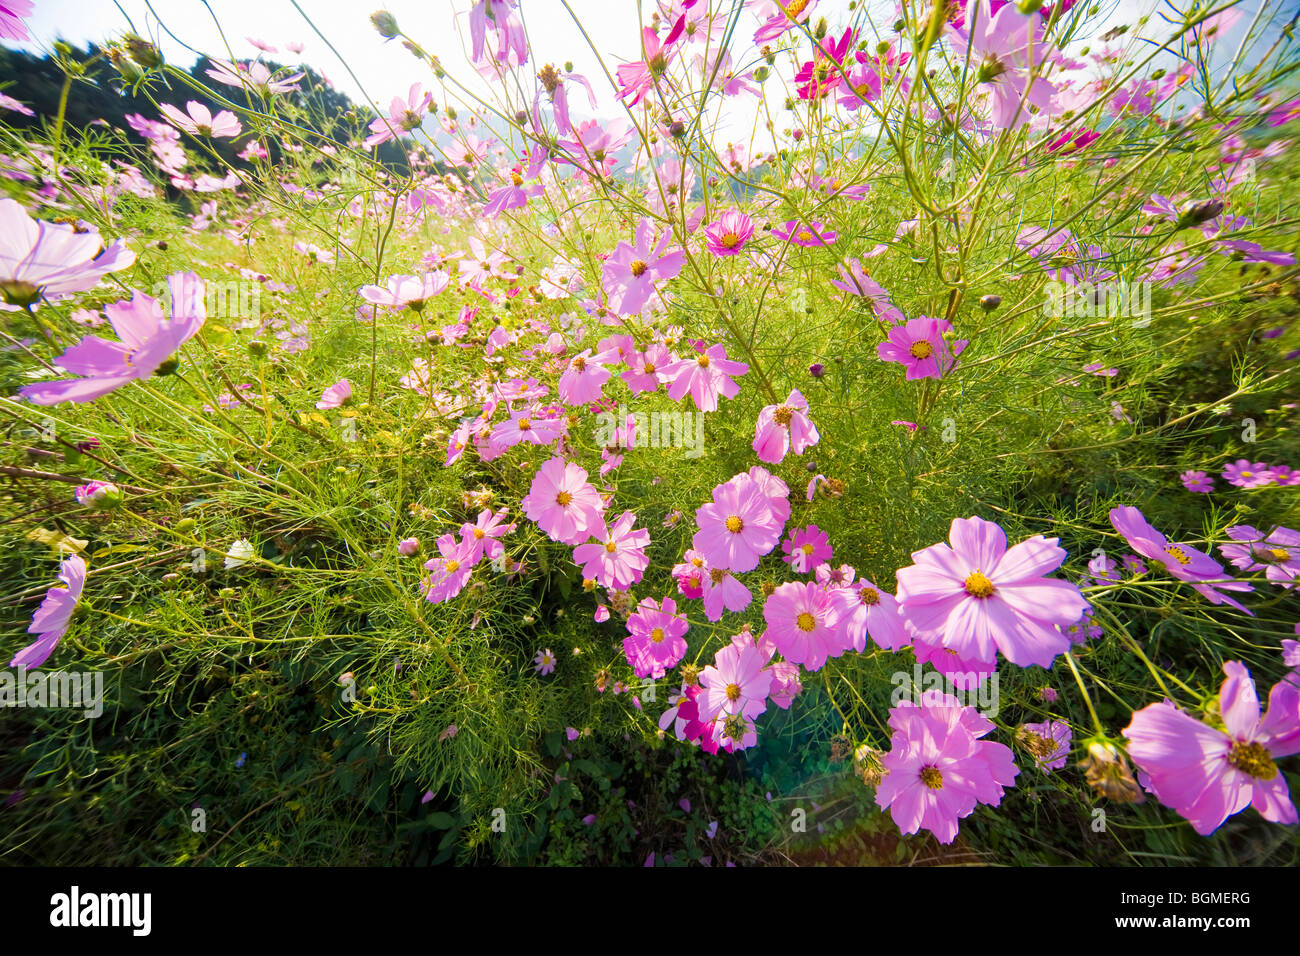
x=650, y=433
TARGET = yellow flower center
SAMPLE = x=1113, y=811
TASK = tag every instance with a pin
x=1178, y=554
x=734, y=524
x=478, y=534
x=1253, y=759
x=638, y=268
x=783, y=415
x=563, y=498
x=733, y=692
x=804, y=236
x=729, y=241
x=921, y=350
x=805, y=622
x=932, y=778
x=869, y=596
x=977, y=585
x=657, y=635
x=452, y=566
x=703, y=361
x=611, y=547
x=525, y=424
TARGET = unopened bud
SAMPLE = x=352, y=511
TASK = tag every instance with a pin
x=385, y=23
x=990, y=302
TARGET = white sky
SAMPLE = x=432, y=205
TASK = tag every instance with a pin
x=384, y=68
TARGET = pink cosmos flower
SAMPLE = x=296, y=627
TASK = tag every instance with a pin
x=802, y=623
x=637, y=78
x=508, y=32
x=407, y=290
x=200, y=121
x=721, y=589
x=704, y=376
x=1197, y=481
x=39, y=258
x=808, y=235
x=563, y=504
x=736, y=683
x=938, y=769
x=1277, y=553
x=403, y=114
x=921, y=348
x=51, y=620
x=148, y=339
x=862, y=609
x=737, y=527
x=584, y=378
x=618, y=560
x=855, y=281
x=784, y=427
x=255, y=75
x=98, y=495
x=806, y=548
x=483, y=537
x=727, y=236
x=645, y=369
x=335, y=395
x=1008, y=52
x=656, y=640
x=1244, y=474
x=11, y=24
x=773, y=488
x=631, y=271
x=1182, y=561
x=978, y=597
x=449, y=572
x=408, y=547
x=1205, y=774
x=778, y=18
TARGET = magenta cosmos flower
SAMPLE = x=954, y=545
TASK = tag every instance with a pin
x=811, y=234
x=618, y=557
x=938, y=770
x=978, y=597
x=1006, y=50
x=737, y=527
x=722, y=589
x=802, y=623
x=1277, y=553
x=704, y=376
x=483, y=537
x=631, y=271
x=1197, y=481
x=1206, y=774
x=51, y=620
x=11, y=24
x=563, y=504
x=656, y=640
x=784, y=427
x=806, y=548
x=148, y=339
x=729, y=234
x=1184, y=562
x=39, y=258
x=736, y=683
x=199, y=121
x=921, y=348
x=1049, y=744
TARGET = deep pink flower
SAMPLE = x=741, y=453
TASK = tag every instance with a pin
x=12, y=26
x=51, y=620
x=483, y=537
x=806, y=548
x=737, y=527
x=704, y=376
x=978, y=597
x=803, y=624
x=1277, y=553
x=656, y=640
x=1008, y=52
x=808, y=235
x=1197, y=481
x=584, y=378
x=1206, y=774
x=637, y=78
x=618, y=557
x=855, y=280
x=938, y=769
x=563, y=504
x=631, y=271
x=1053, y=733
x=784, y=427
x=920, y=346
x=723, y=589
x=1245, y=474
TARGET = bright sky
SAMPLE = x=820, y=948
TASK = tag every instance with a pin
x=384, y=69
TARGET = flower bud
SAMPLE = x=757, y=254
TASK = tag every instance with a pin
x=408, y=547
x=385, y=23
x=99, y=495
x=990, y=302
